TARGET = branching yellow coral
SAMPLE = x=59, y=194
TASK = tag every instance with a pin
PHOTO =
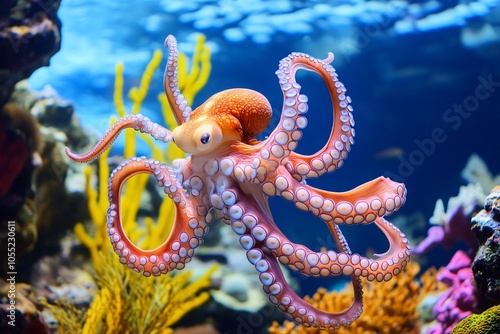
x=69, y=318
x=390, y=307
x=130, y=303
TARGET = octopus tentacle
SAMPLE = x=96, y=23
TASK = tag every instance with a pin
x=331, y=263
x=284, y=138
x=176, y=99
x=296, y=308
x=368, y=204
x=138, y=122
x=331, y=156
x=256, y=234
x=328, y=263
x=292, y=305
x=187, y=232
x=362, y=204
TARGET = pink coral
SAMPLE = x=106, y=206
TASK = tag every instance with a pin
x=459, y=301
x=456, y=227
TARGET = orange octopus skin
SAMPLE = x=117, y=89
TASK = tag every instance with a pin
x=230, y=175
x=235, y=114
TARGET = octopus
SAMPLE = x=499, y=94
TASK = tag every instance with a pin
x=229, y=176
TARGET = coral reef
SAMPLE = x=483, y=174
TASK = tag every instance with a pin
x=29, y=37
x=20, y=142
x=486, y=264
x=453, y=224
x=476, y=171
x=392, y=308
x=487, y=322
x=37, y=193
x=58, y=202
x=128, y=303
x=458, y=301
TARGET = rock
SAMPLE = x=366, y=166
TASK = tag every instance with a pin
x=486, y=264
x=23, y=316
x=30, y=34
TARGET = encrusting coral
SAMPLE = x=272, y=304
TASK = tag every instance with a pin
x=487, y=322
x=392, y=308
x=126, y=302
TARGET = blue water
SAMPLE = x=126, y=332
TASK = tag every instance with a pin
x=404, y=84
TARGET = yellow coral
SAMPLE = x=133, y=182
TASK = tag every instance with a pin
x=69, y=318
x=390, y=307
x=130, y=303
x=127, y=302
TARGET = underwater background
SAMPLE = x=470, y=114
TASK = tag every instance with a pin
x=423, y=76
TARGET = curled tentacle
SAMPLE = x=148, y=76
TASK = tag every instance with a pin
x=187, y=232
x=246, y=222
x=331, y=263
x=176, y=100
x=331, y=156
x=284, y=138
x=138, y=122
x=259, y=235
x=295, y=307
x=362, y=204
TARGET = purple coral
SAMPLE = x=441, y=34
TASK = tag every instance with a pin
x=457, y=227
x=459, y=301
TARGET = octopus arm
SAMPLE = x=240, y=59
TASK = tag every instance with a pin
x=265, y=242
x=187, y=232
x=283, y=140
x=176, y=99
x=296, y=308
x=362, y=204
x=330, y=263
x=138, y=122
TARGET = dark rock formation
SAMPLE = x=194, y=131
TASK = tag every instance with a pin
x=486, y=264
x=30, y=33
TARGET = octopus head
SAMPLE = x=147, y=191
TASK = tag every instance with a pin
x=231, y=115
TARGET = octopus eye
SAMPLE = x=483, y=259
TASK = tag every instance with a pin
x=205, y=138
